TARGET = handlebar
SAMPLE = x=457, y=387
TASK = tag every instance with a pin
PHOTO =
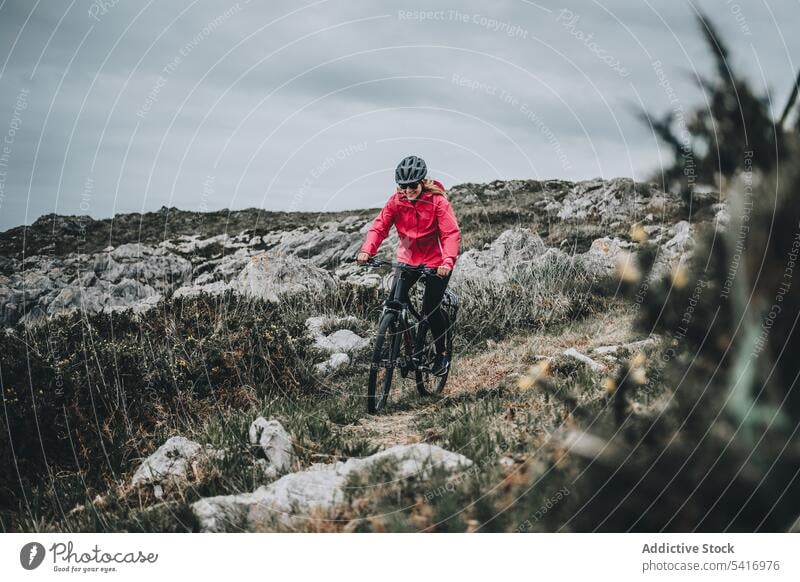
x=373, y=262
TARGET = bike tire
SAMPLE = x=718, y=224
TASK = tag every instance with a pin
x=384, y=357
x=427, y=383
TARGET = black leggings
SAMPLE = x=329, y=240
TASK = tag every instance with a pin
x=431, y=299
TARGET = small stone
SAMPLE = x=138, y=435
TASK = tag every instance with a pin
x=273, y=440
x=342, y=340
x=169, y=465
x=506, y=462
x=334, y=362
x=573, y=353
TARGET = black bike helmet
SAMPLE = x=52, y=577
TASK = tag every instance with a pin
x=410, y=171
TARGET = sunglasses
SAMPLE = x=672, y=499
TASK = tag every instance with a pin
x=409, y=186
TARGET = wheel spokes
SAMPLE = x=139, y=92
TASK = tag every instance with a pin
x=387, y=365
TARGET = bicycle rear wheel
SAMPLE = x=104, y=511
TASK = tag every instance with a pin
x=384, y=361
x=427, y=383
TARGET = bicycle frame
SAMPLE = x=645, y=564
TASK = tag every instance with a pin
x=398, y=305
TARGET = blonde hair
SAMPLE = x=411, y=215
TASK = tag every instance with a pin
x=429, y=185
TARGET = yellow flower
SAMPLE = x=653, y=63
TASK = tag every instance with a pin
x=626, y=268
x=679, y=277
x=535, y=374
x=638, y=233
x=638, y=376
x=608, y=384
x=525, y=382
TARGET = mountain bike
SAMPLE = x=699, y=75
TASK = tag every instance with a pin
x=395, y=343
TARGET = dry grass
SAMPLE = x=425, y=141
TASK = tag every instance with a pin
x=487, y=370
x=387, y=430
x=513, y=355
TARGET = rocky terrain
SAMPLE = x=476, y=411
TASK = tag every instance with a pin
x=538, y=272
x=136, y=275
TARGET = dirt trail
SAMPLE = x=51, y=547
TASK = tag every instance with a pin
x=485, y=370
x=388, y=430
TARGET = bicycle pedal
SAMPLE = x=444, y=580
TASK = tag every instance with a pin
x=442, y=373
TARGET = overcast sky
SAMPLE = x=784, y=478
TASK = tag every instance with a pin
x=120, y=106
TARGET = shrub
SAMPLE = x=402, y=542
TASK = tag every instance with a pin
x=722, y=454
x=83, y=393
x=549, y=293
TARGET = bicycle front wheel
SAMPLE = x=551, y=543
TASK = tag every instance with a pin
x=384, y=361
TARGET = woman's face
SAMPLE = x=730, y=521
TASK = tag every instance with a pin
x=412, y=191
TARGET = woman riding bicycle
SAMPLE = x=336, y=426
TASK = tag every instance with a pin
x=429, y=236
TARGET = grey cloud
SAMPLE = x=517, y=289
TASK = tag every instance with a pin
x=579, y=108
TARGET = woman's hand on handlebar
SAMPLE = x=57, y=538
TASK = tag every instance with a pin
x=362, y=258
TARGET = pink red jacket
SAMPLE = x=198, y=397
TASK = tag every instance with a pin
x=427, y=228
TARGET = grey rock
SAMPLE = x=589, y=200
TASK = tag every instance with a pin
x=681, y=237
x=134, y=251
x=273, y=441
x=513, y=249
x=676, y=251
x=88, y=279
x=169, y=465
x=593, y=365
x=326, y=246
x=224, y=269
x=188, y=244
x=602, y=257
x=33, y=285
x=357, y=275
x=106, y=267
x=295, y=498
x=267, y=276
x=130, y=276
x=631, y=347
x=204, y=279
x=130, y=291
x=722, y=215
x=604, y=201
x=342, y=340
x=267, y=471
x=506, y=462
x=189, y=291
x=316, y=323
x=338, y=344
x=66, y=300
x=334, y=362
